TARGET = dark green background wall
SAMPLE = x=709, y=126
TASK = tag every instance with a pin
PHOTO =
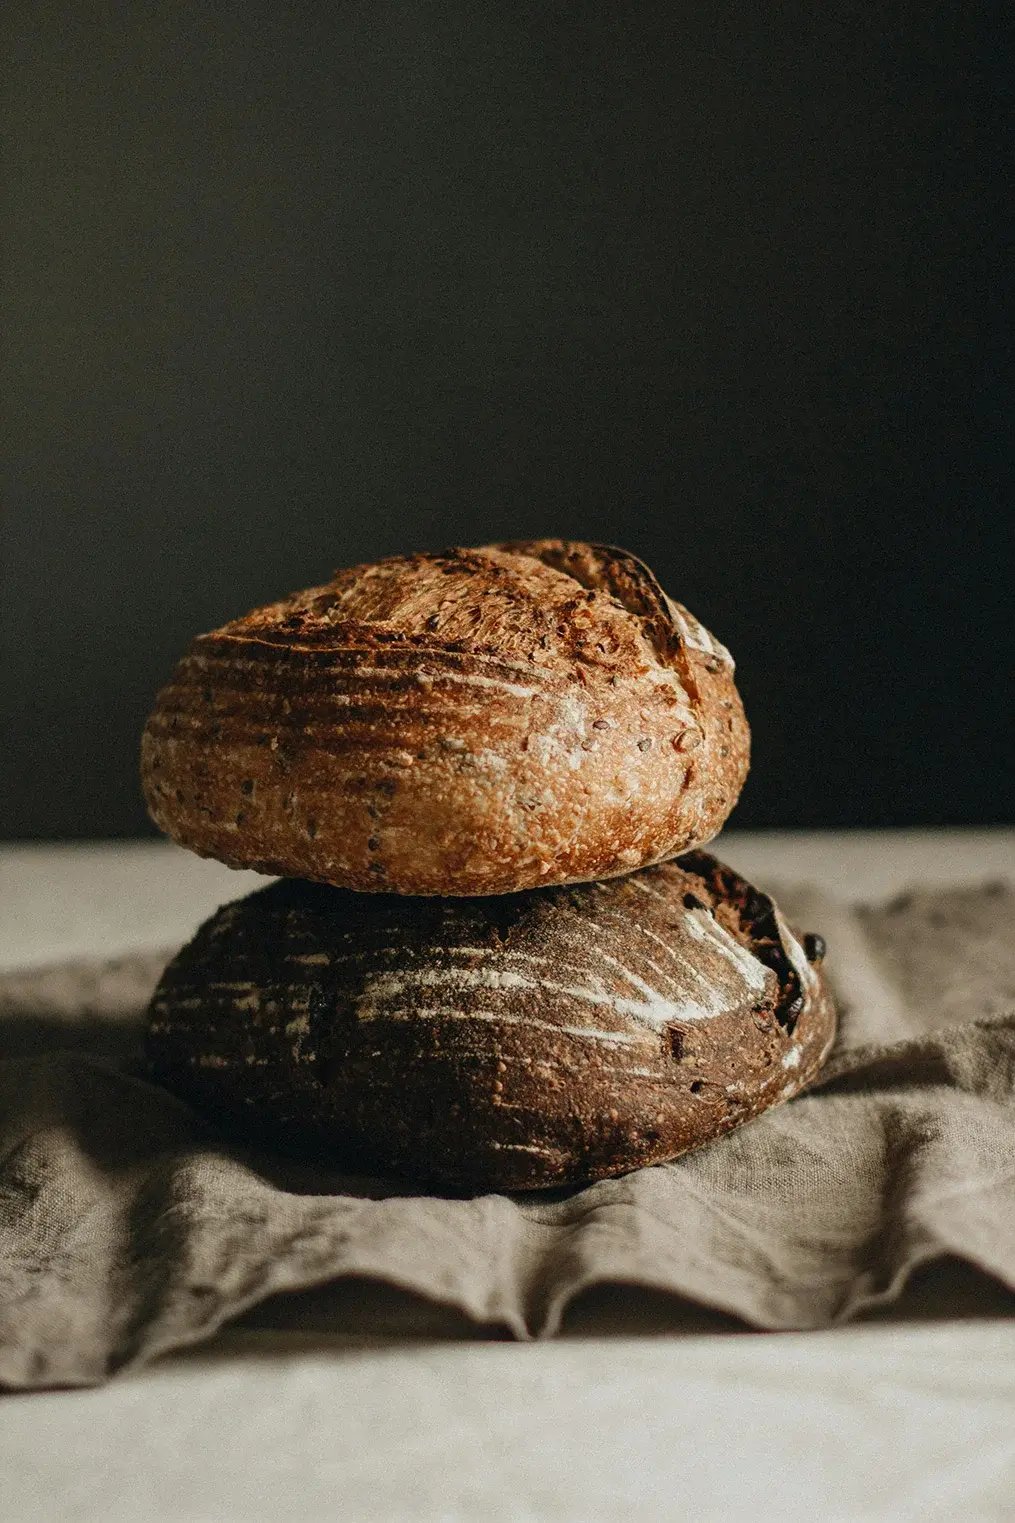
x=292, y=286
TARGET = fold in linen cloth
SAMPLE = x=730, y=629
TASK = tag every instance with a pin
x=129, y=1228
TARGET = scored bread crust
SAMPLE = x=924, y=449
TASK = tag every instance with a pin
x=463, y=723
x=520, y=1042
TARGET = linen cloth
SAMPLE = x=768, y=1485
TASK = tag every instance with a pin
x=128, y=1227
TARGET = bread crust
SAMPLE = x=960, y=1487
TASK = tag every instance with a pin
x=540, y=1039
x=464, y=723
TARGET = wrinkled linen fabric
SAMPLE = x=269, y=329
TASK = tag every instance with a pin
x=129, y=1227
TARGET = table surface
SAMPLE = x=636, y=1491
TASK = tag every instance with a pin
x=651, y=1410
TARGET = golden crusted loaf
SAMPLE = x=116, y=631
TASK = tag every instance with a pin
x=470, y=722
x=520, y=1042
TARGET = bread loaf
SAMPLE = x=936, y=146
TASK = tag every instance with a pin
x=518, y=1042
x=464, y=723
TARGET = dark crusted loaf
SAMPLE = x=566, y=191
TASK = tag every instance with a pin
x=471, y=722
x=539, y=1039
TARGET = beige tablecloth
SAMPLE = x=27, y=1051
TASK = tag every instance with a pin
x=875, y=1421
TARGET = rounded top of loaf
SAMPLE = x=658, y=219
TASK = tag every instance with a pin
x=557, y=605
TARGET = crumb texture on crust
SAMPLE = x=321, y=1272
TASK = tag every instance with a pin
x=519, y=1042
x=469, y=722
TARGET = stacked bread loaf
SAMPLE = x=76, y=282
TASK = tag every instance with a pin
x=498, y=957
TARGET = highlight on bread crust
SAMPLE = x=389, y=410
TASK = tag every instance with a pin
x=520, y=1042
x=463, y=723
